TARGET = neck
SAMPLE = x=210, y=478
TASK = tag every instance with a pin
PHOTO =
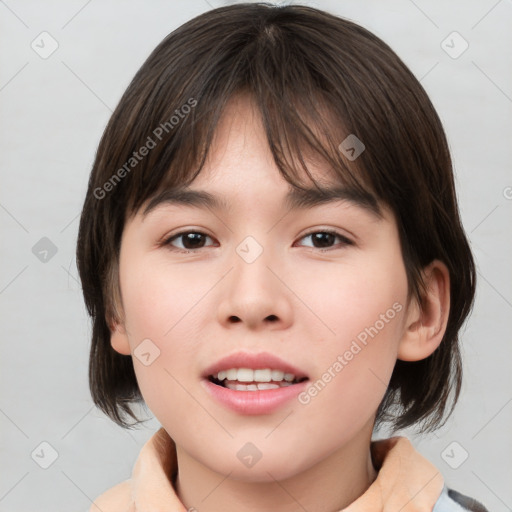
x=329, y=485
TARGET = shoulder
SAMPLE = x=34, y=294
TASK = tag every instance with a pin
x=451, y=500
x=116, y=499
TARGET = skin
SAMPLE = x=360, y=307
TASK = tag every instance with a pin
x=315, y=456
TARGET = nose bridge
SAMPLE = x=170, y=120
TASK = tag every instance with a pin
x=251, y=263
x=253, y=294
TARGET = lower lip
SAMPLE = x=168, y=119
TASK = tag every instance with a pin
x=263, y=401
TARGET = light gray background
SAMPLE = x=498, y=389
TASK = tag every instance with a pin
x=53, y=112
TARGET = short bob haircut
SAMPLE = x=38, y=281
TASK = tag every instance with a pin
x=316, y=78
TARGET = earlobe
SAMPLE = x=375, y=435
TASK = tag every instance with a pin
x=119, y=339
x=426, y=323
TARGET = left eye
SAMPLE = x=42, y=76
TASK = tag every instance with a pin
x=193, y=240
x=325, y=237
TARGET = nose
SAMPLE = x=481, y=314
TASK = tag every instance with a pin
x=255, y=293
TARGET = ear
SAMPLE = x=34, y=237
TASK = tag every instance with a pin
x=426, y=323
x=119, y=338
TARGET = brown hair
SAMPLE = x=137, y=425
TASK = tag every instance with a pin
x=310, y=73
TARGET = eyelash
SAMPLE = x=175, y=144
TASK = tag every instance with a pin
x=167, y=242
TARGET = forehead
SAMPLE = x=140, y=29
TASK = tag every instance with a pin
x=240, y=158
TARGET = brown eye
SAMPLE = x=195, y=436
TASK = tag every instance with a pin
x=325, y=238
x=190, y=240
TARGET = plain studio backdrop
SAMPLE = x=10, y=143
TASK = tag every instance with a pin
x=64, y=67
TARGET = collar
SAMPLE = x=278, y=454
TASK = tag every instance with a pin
x=406, y=480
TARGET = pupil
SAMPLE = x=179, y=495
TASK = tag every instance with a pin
x=191, y=237
x=326, y=237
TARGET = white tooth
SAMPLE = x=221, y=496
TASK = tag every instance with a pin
x=245, y=375
x=250, y=375
x=265, y=385
x=255, y=387
x=277, y=375
x=231, y=374
x=262, y=375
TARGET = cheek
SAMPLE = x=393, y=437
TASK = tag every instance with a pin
x=347, y=300
x=160, y=301
x=362, y=313
x=162, y=309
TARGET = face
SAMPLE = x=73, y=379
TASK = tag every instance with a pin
x=331, y=305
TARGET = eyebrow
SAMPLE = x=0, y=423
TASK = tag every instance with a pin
x=296, y=199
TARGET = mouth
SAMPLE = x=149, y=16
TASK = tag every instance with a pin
x=248, y=379
x=253, y=384
x=246, y=371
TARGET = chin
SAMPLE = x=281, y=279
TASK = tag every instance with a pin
x=262, y=473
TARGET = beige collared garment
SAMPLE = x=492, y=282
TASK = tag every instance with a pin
x=406, y=481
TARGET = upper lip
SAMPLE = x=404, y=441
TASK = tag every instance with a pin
x=254, y=361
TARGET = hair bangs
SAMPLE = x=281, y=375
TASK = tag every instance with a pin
x=305, y=125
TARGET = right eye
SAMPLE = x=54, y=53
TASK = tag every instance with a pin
x=191, y=241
